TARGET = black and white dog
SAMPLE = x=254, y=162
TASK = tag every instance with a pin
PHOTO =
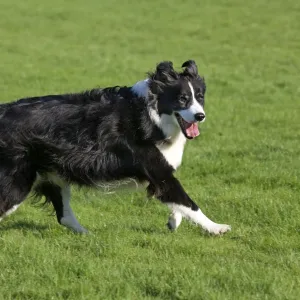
x=104, y=136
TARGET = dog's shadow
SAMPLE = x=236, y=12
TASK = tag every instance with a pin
x=22, y=225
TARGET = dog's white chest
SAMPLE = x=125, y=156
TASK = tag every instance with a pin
x=173, y=152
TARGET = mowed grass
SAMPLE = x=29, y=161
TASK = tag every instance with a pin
x=243, y=170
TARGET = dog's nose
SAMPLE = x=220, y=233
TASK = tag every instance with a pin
x=200, y=117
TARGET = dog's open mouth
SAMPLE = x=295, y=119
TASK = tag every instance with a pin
x=190, y=130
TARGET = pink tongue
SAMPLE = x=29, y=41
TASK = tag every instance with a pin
x=192, y=130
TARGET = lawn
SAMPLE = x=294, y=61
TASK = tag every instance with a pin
x=244, y=169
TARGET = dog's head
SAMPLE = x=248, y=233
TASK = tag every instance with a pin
x=179, y=95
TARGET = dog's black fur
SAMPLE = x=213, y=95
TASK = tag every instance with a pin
x=101, y=135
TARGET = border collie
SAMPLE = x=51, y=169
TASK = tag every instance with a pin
x=104, y=136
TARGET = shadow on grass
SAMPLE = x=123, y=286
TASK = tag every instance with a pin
x=21, y=225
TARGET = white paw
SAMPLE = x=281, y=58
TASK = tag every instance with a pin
x=174, y=220
x=217, y=229
x=72, y=224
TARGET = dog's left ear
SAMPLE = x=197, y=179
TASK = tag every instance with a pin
x=191, y=68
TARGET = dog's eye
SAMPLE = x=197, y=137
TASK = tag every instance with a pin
x=183, y=99
x=199, y=95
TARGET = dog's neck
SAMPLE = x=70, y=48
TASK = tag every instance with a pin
x=167, y=123
x=141, y=88
x=173, y=146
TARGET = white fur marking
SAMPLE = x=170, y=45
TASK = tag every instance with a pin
x=154, y=116
x=10, y=211
x=199, y=218
x=189, y=114
x=141, y=88
x=69, y=220
x=173, y=152
x=174, y=220
x=173, y=148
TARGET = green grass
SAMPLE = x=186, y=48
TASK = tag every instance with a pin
x=243, y=170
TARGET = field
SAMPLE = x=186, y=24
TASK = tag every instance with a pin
x=243, y=170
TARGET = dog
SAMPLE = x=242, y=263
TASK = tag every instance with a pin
x=103, y=136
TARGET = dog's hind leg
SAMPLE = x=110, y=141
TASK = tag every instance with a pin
x=9, y=212
x=15, y=185
x=59, y=196
x=68, y=218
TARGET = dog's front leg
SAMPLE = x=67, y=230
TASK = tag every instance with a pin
x=170, y=192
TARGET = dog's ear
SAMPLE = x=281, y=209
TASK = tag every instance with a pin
x=163, y=71
x=191, y=68
x=164, y=74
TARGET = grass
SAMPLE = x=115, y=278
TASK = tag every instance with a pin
x=243, y=170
